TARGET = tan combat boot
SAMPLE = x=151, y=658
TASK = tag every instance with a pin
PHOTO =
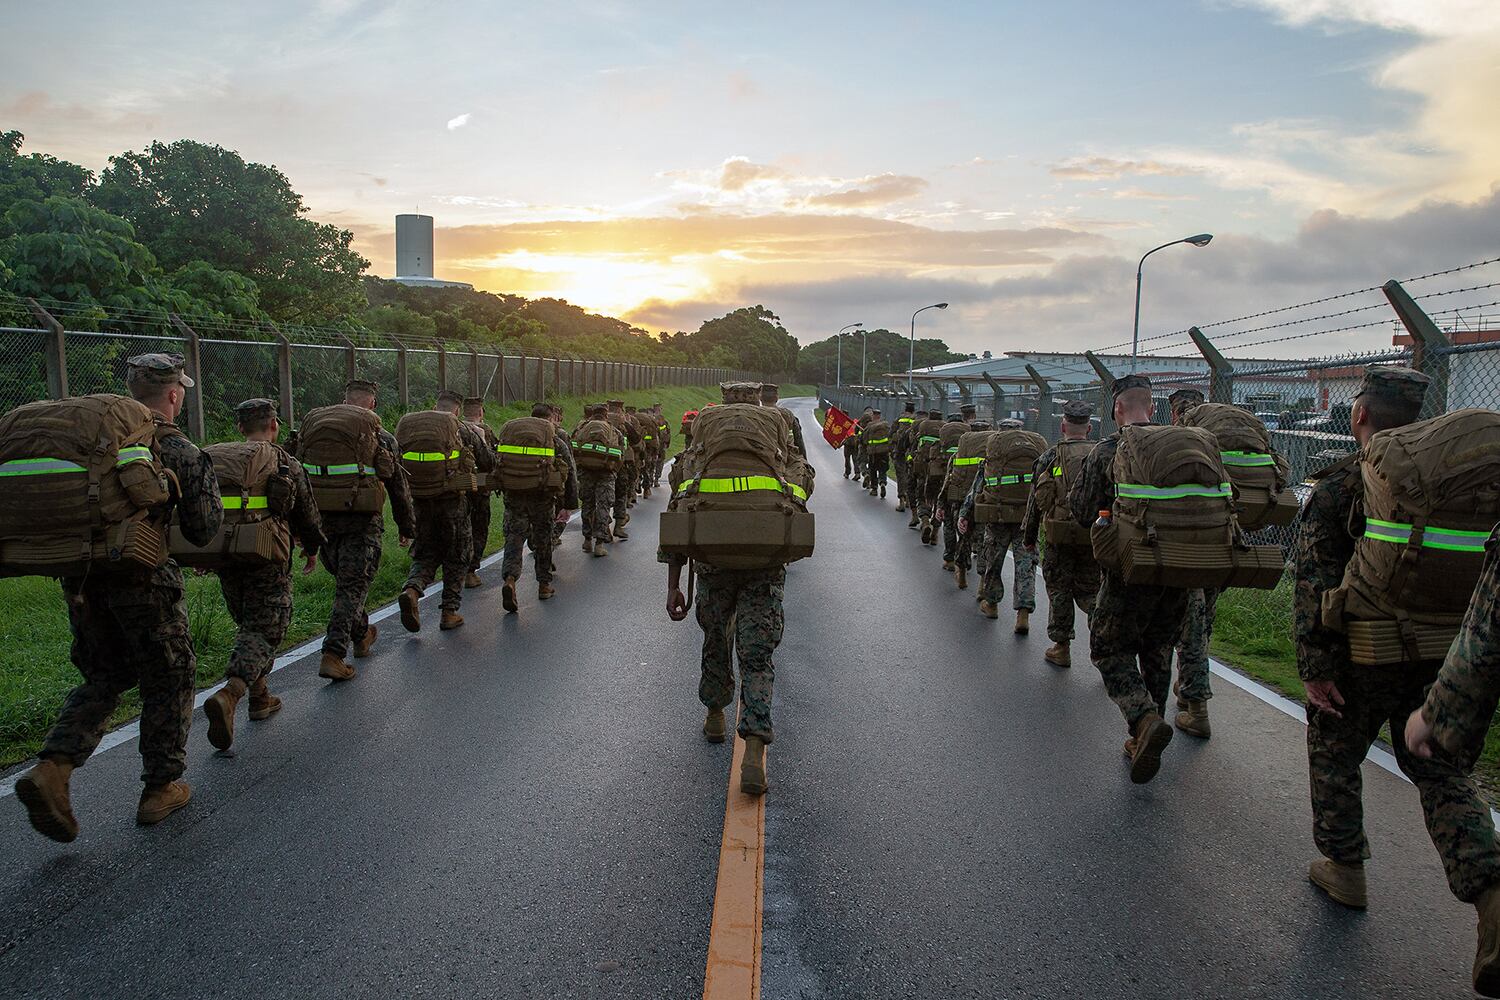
x=900, y=505
x=450, y=621
x=753, y=767
x=1182, y=703
x=913, y=523
x=1151, y=737
x=600, y=550
x=220, y=708
x=508, y=595
x=1487, y=955
x=625, y=518
x=927, y=531
x=713, y=726
x=334, y=668
x=588, y=543
x=1193, y=719
x=43, y=790
x=1059, y=654
x=363, y=646
x=988, y=609
x=544, y=591
x=1343, y=882
x=961, y=574
x=160, y=801
x=1023, y=622
x=263, y=704
x=411, y=617
x=472, y=580
x=620, y=534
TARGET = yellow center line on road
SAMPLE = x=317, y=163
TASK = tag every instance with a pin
x=733, y=971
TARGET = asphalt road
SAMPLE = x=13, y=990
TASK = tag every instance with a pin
x=524, y=808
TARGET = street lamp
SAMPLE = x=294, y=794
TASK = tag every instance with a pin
x=838, y=377
x=911, y=354
x=864, y=356
x=1201, y=240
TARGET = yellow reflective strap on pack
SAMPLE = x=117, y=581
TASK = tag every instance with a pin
x=1445, y=539
x=1135, y=491
x=38, y=467
x=427, y=456
x=969, y=461
x=241, y=503
x=741, y=484
x=878, y=441
x=337, y=470
x=521, y=449
x=135, y=453
x=1246, y=459
x=1057, y=470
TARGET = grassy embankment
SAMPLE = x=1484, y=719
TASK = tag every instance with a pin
x=36, y=675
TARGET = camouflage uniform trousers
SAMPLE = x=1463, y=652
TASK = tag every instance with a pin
x=260, y=602
x=1131, y=635
x=851, y=465
x=929, y=491
x=625, y=480
x=128, y=632
x=1072, y=578
x=648, y=471
x=1192, y=648
x=740, y=611
x=481, y=512
x=442, y=540
x=903, y=475
x=528, y=519
x=999, y=537
x=596, y=495
x=352, y=557
x=879, y=467
x=1457, y=819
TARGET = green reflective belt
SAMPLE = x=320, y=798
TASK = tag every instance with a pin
x=135, y=453
x=38, y=467
x=661, y=427
x=602, y=449
x=338, y=470
x=1007, y=480
x=969, y=461
x=427, y=456
x=521, y=449
x=243, y=503
x=1246, y=459
x=878, y=441
x=1446, y=539
x=1134, y=491
x=924, y=439
x=742, y=484
x=648, y=437
x=1057, y=470
x=906, y=420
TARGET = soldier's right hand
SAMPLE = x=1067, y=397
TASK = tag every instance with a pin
x=1419, y=735
x=1325, y=697
x=403, y=541
x=676, y=604
x=963, y=526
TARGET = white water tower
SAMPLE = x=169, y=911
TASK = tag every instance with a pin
x=414, y=258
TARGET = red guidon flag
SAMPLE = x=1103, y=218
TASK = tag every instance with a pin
x=838, y=427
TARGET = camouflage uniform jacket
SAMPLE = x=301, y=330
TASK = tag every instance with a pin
x=479, y=443
x=402, y=508
x=1031, y=524
x=305, y=521
x=1323, y=548
x=570, y=488
x=200, y=510
x=1461, y=702
x=1095, y=489
x=901, y=440
x=488, y=442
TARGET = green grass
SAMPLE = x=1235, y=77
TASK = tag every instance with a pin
x=36, y=674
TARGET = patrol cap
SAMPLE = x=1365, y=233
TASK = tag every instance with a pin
x=979, y=425
x=254, y=409
x=1394, y=384
x=1127, y=382
x=1076, y=411
x=473, y=401
x=160, y=369
x=740, y=392
x=875, y=412
x=362, y=385
x=616, y=403
x=769, y=390
x=449, y=396
x=1184, y=399
x=955, y=418
x=910, y=406
x=968, y=408
x=1011, y=424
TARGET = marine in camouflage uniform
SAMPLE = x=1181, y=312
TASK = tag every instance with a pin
x=1192, y=685
x=663, y=441
x=528, y=521
x=1069, y=570
x=741, y=613
x=1357, y=700
x=596, y=495
x=481, y=503
x=351, y=553
x=901, y=429
x=950, y=508
x=625, y=477
x=1134, y=626
x=259, y=598
x=568, y=502
x=995, y=540
x=130, y=630
x=770, y=395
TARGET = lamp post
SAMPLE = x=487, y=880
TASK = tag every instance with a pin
x=864, y=357
x=911, y=354
x=1201, y=240
x=838, y=377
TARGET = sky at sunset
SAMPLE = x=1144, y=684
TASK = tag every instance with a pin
x=666, y=162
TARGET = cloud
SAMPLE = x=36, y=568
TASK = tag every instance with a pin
x=1141, y=194
x=869, y=192
x=1432, y=18
x=1091, y=168
x=738, y=173
x=454, y=124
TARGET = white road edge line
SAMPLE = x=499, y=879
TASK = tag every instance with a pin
x=130, y=731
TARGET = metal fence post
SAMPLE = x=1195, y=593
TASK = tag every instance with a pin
x=284, y=371
x=500, y=377
x=1430, y=346
x=56, y=352
x=198, y=425
x=403, y=375
x=351, y=356
x=1220, y=371
x=442, y=353
x=1106, y=395
x=473, y=369
x=557, y=388
x=1046, y=417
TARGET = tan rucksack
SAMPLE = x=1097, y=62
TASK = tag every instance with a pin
x=926, y=453
x=597, y=447
x=739, y=498
x=256, y=501
x=433, y=453
x=1431, y=497
x=1052, y=488
x=488, y=482
x=1009, y=464
x=876, y=438
x=82, y=488
x=1172, y=522
x=647, y=426
x=528, y=456
x=967, y=463
x=339, y=448
x=1258, y=474
x=620, y=421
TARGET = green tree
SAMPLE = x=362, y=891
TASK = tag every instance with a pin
x=887, y=351
x=190, y=201
x=753, y=336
